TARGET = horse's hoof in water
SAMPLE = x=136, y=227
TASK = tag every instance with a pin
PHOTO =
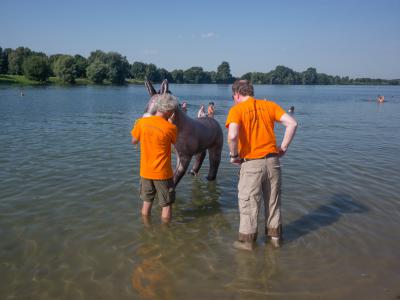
x=193, y=173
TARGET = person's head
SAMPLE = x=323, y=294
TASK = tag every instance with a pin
x=242, y=88
x=291, y=109
x=166, y=104
x=184, y=104
x=211, y=103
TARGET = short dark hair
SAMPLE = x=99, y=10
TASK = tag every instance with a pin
x=243, y=87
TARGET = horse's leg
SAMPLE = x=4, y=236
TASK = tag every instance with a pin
x=181, y=168
x=199, y=158
x=214, y=155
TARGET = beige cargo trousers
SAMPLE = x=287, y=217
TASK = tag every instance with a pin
x=260, y=179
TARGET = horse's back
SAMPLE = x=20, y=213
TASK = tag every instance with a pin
x=210, y=131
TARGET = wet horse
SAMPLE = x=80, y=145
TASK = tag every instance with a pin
x=195, y=137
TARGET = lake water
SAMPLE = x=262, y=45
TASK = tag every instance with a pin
x=70, y=226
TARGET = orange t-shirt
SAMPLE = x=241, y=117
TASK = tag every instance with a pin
x=156, y=136
x=256, y=120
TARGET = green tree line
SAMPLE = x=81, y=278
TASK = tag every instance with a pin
x=112, y=67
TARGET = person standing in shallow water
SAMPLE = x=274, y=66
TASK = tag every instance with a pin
x=156, y=135
x=252, y=145
x=184, y=107
x=211, y=110
x=201, y=113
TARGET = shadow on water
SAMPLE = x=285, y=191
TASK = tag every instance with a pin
x=204, y=200
x=324, y=215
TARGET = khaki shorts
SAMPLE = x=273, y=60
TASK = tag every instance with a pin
x=164, y=189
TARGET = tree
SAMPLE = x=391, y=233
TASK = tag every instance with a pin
x=260, y=78
x=97, y=71
x=213, y=76
x=309, y=76
x=138, y=70
x=164, y=74
x=97, y=55
x=52, y=59
x=246, y=76
x=81, y=65
x=16, y=59
x=65, y=68
x=4, y=60
x=323, y=78
x=37, y=67
x=151, y=73
x=223, y=73
x=118, y=67
x=283, y=75
x=177, y=76
x=194, y=75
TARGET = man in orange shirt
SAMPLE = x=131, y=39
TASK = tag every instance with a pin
x=252, y=145
x=156, y=135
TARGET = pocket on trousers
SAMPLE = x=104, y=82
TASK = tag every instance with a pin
x=250, y=182
x=244, y=206
x=251, y=171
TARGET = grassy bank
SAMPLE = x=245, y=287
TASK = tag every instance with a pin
x=18, y=79
x=22, y=80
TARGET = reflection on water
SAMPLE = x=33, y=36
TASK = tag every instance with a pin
x=151, y=278
x=70, y=222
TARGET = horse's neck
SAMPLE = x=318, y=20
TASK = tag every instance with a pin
x=181, y=119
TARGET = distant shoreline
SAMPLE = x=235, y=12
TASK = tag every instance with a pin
x=21, y=80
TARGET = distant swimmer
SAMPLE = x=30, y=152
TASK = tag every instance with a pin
x=22, y=93
x=211, y=110
x=201, y=113
x=184, y=106
x=291, y=110
x=380, y=99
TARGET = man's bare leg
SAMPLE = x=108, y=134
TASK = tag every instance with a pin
x=146, y=209
x=166, y=213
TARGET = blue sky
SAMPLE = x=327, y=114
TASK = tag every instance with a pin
x=354, y=38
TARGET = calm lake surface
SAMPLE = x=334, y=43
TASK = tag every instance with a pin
x=70, y=226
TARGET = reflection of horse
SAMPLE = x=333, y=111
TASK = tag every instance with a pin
x=194, y=138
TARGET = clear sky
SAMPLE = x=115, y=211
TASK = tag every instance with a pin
x=338, y=37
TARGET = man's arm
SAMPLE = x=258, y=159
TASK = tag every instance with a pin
x=134, y=140
x=291, y=125
x=233, y=136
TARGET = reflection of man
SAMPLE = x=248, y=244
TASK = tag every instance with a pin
x=252, y=145
x=156, y=135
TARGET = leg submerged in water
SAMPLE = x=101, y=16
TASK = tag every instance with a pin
x=199, y=158
x=181, y=168
x=215, y=159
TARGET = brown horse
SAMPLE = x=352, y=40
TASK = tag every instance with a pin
x=195, y=137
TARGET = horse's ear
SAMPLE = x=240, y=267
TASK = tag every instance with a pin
x=164, y=87
x=150, y=88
